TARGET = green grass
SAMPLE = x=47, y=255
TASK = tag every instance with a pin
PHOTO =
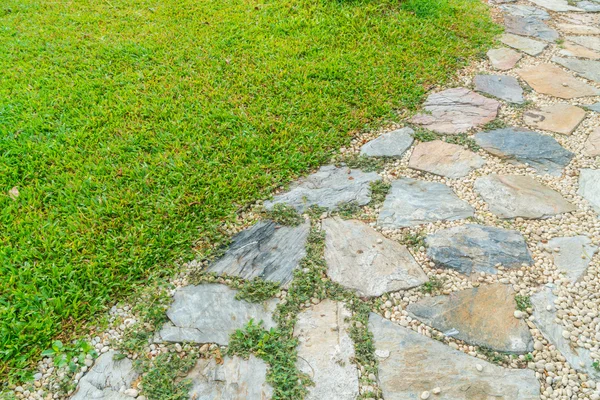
x=133, y=129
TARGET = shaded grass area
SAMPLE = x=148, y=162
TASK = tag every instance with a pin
x=133, y=129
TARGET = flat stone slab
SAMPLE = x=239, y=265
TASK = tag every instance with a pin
x=512, y=196
x=266, y=251
x=526, y=45
x=209, y=313
x=455, y=111
x=580, y=358
x=482, y=316
x=477, y=248
x=592, y=144
x=529, y=26
x=591, y=42
x=360, y=258
x=233, y=379
x=325, y=351
x=503, y=59
x=552, y=80
x=575, y=29
x=571, y=49
x=589, y=6
x=523, y=11
x=329, y=187
x=107, y=379
x=559, y=118
x=520, y=146
x=414, y=202
x=556, y=5
x=503, y=87
x=573, y=256
x=589, y=187
x=581, y=18
x=593, y=107
x=412, y=364
x=392, y=144
x=589, y=69
x=444, y=159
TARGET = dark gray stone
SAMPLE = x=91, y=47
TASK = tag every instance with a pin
x=521, y=146
x=593, y=107
x=477, y=248
x=391, y=144
x=589, y=69
x=503, y=87
x=529, y=26
x=107, y=379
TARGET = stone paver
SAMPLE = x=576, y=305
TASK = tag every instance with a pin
x=593, y=107
x=556, y=5
x=523, y=11
x=559, y=118
x=570, y=49
x=482, y=316
x=512, y=196
x=503, y=87
x=414, y=202
x=325, y=351
x=589, y=69
x=589, y=187
x=455, y=111
x=410, y=364
x=573, y=256
x=576, y=29
x=209, y=313
x=529, y=26
x=107, y=379
x=444, y=159
x=552, y=80
x=592, y=144
x=503, y=58
x=392, y=144
x=360, y=258
x=329, y=187
x=591, y=42
x=590, y=6
x=526, y=45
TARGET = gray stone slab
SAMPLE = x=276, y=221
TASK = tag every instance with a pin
x=477, y=248
x=512, y=196
x=503, y=87
x=529, y=26
x=523, y=11
x=233, y=379
x=107, y=379
x=556, y=5
x=410, y=364
x=209, y=313
x=589, y=69
x=521, y=146
x=266, y=251
x=589, y=187
x=444, y=159
x=329, y=187
x=526, y=45
x=593, y=107
x=591, y=42
x=360, y=258
x=589, y=6
x=573, y=256
x=414, y=202
x=503, y=58
x=392, y=144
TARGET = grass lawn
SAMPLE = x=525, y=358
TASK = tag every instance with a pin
x=132, y=128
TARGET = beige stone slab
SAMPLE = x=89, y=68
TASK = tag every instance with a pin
x=576, y=29
x=444, y=159
x=503, y=59
x=592, y=144
x=554, y=81
x=559, y=118
x=571, y=49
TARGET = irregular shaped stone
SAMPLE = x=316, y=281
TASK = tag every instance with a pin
x=233, y=379
x=503, y=87
x=209, y=313
x=529, y=26
x=573, y=256
x=559, y=118
x=416, y=363
x=512, y=196
x=592, y=144
x=265, y=251
x=550, y=79
x=526, y=11
x=556, y=5
x=503, y=59
x=575, y=50
x=329, y=187
x=483, y=316
x=413, y=202
x=391, y=144
x=593, y=107
x=444, y=159
x=589, y=187
x=477, y=248
x=579, y=358
x=526, y=45
x=576, y=29
x=325, y=351
x=591, y=42
x=360, y=258
x=520, y=146
x=107, y=379
x=589, y=6
x=456, y=110
x=587, y=68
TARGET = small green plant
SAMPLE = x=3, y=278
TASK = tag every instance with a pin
x=348, y=210
x=163, y=377
x=423, y=135
x=257, y=290
x=367, y=164
x=414, y=240
x=596, y=365
x=433, y=285
x=493, y=356
x=495, y=124
x=285, y=215
x=63, y=355
x=315, y=211
x=379, y=191
x=528, y=357
x=463, y=140
x=523, y=302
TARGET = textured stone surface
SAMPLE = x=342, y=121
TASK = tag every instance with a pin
x=483, y=316
x=523, y=11
x=414, y=202
x=593, y=107
x=503, y=87
x=581, y=18
x=444, y=159
x=511, y=196
x=209, y=313
x=266, y=251
x=526, y=45
x=529, y=26
x=234, y=379
x=360, y=258
x=552, y=80
x=325, y=351
x=570, y=49
x=391, y=144
x=503, y=59
x=576, y=29
x=413, y=363
x=589, y=187
x=559, y=118
x=556, y=5
x=579, y=358
x=589, y=6
x=106, y=379
x=591, y=42
x=573, y=256
x=329, y=187
x=456, y=110
x=592, y=144
x=477, y=248
x=521, y=146
x=589, y=69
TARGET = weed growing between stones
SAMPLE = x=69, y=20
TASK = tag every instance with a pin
x=463, y=140
x=164, y=376
x=495, y=124
x=349, y=210
x=523, y=302
x=414, y=240
x=257, y=290
x=379, y=191
x=284, y=214
x=433, y=285
x=366, y=164
x=423, y=135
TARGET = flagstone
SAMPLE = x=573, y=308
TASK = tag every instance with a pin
x=504, y=87
x=529, y=26
x=526, y=45
x=570, y=49
x=503, y=58
x=392, y=144
x=592, y=144
x=444, y=159
x=560, y=118
x=589, y=69
x=572, y=255
x=589, y=187
x=552, y=80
